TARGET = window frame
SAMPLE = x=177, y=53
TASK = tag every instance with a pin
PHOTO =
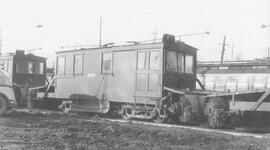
x=57, y=65
x=159, y=65
x=192, y=68
x=145, y=60
x=183, y=61
x=74, y=64
x=6, y=66
x=28, y=67
x=183, y=70
x=167, y=61
x=39, y=70
x=18, y=65
x=110, y=72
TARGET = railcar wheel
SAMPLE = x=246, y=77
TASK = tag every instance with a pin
x=158, y=119
x=126, y=114
x=65, y=107
x=3, y=106
x=217, y=115
x=185, y=116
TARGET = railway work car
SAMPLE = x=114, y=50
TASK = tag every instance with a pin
x=129, y=78
x=144, y=80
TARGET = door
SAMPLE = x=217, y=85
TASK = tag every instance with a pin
x=120, y=85
x=148, y=73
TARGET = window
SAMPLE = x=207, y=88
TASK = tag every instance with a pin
x=154, y=60
x=2, y=65
x=60, y=64
x=39, y=68
x=249, y=67
x=234, y=67
x=30, y=67
x=262, y=67
x=107, y=62
x=171, y=64
x=6, y=66
x=10, y=66
x=180, y=63
x=189, y=64
x=141, y=63
x=78, y=64
x=21, y=67
x=223, y=67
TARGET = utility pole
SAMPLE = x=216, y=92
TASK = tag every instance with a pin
x=155, y=33
x=268, y=53
x=1, y=40
x=100, y=30
x=223, y=49
x=232, y=51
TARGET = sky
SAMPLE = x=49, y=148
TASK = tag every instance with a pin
x=75, y=22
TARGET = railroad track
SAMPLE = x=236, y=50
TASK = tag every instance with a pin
x=90, y=117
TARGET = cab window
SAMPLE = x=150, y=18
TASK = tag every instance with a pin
x=179, y=62
x=30, y=67
x=189, y=64
x=39, y=68
x=21, y=67
x=171, y=64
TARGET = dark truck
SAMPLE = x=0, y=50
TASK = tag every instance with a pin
x=7, y=97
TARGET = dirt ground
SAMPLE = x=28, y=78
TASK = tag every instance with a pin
x=53, y=131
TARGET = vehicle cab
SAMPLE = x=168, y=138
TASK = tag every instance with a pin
x=7, y=97
x=180, y=64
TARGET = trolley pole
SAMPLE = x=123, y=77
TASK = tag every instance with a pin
x=100, y=30
x=155, y=33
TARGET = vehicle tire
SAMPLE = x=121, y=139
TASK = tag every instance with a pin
x=3, y=106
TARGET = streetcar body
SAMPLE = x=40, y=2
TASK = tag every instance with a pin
x=128, y=74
